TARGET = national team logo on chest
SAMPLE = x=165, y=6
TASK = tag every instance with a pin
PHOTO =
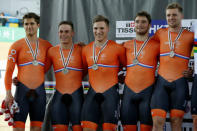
x=29, y=52
x=71, y=58
x=178, y=43
x=101, y=56
x=141, y=54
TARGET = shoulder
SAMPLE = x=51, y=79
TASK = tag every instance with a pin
x=128, y=44
x=188, y=35
x=159, y=33
x=115, y=47
x=78, y=47
x=18, y=44
x=53, y=49
x=45, y=42
x=188, y=32
x=161, y=30
x=113, y=43
x=154, y=43
x=22, y=40
x=88, y=46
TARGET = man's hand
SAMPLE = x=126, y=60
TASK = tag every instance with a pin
x=15, y=81
x=121, y=78
x=188, y=73
x=9, y=99
x=81, y=43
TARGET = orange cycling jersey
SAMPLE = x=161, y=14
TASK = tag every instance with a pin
x=106, y=76
x=171, y=68
x=71, y=81
x=142, y=75
x=30, y=75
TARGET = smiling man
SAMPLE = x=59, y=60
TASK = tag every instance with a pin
x=67, y=63
x=171, y=91
x=29, y=54
x=142, y=54
x=104, y=58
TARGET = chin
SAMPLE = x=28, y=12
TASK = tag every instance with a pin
x=141, y=33
x=30, y=34
x=64, y=42
x=99, y=40
x=173, y=26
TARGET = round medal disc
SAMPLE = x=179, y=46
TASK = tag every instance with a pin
x=65, y=71
x=172, y=53
x=135, y=61
x=95, y=67
x=35, y=62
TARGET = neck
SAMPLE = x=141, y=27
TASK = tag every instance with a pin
x=100, y=43
x=66, y=45
x=175, y=29
x=142, y=37
x=32, y=39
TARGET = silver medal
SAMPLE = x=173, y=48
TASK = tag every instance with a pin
x=135, y=61
x=96, y=57
x=65, y=71
x=33, y=53
x=65, y=64
x=35, y=62
x=94, y=66
x=172, y=44
x=172, y=53
x=137, y=53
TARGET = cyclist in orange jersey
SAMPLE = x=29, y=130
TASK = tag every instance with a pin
x=194, y=102
x=67, y=63
x=29, y=54
x=171, y=92
x=142, y=53
x=194, y=86
x=103, y=58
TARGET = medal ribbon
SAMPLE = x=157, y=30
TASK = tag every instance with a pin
x=136, y=54
x=65, y=64
x=95, y=57
x=171, y=44
x=34, y=54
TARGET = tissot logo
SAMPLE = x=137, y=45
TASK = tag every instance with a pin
x=131, y=24
x=125, y=30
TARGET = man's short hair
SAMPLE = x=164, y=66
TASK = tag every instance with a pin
x=100, y=18
x=2, y=14
x=32, y=15
x=145, y=14
x=175, y=6
x=66, y=23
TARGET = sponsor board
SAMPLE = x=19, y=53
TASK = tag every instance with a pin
x=125, y=29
